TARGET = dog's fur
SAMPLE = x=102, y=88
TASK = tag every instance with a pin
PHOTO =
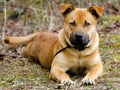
x=44, y=45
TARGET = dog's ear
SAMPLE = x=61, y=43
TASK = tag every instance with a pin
x=96, y=11
x=65, y=9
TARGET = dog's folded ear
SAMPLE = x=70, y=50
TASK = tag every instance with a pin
x=65, y=9
x=96, y=11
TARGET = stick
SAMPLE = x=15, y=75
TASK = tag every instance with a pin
x=4, y=27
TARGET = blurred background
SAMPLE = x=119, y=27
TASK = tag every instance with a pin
x=27, y=16
x=24, y=17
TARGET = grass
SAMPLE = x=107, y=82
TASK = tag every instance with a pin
x=107, y=20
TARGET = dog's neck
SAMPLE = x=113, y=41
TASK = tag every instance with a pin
x=63, y=39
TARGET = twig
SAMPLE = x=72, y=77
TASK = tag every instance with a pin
x=5, y=19
x=51, y=17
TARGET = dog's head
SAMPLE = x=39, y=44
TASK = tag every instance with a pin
x=80, y=24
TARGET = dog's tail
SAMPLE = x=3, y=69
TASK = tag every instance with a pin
x=19, y=40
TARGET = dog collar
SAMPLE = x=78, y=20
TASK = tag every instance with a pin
x=68, y=46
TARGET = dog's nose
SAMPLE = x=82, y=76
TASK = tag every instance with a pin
x=79, y=36
x=79, y=40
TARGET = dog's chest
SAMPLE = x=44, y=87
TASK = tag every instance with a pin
x=75, y=56
x=77, y=70
x=80, y=67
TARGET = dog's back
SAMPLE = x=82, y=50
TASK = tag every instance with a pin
x=41, y=46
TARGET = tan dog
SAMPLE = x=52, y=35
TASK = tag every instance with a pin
x=75, y=47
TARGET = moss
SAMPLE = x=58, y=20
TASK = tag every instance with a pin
x=115, y=39
x=117, y=57
x=106, y=20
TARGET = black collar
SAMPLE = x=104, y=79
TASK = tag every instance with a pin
x=68, y=46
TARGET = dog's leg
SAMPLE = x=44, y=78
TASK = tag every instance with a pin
x=26, y=50
x=59, y=74
x=94, y=72
x=58, y=70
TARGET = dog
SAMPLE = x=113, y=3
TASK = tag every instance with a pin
x=73, y=48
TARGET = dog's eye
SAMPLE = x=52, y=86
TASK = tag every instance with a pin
x=72, y=23
x=87, y=23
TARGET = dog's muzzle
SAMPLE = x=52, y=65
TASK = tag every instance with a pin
x=79, y=40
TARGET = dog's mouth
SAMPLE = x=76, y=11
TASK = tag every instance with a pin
x=79, y=41
x=80, y=48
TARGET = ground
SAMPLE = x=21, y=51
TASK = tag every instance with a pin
x=19, y=73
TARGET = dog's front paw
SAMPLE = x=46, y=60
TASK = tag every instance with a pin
x=87, y=80
x=65, y=83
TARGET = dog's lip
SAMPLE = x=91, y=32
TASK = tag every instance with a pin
x=87, y=47
x=76, y=46
x=80, y=48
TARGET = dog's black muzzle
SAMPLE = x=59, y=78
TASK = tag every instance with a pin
x=79, y=40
